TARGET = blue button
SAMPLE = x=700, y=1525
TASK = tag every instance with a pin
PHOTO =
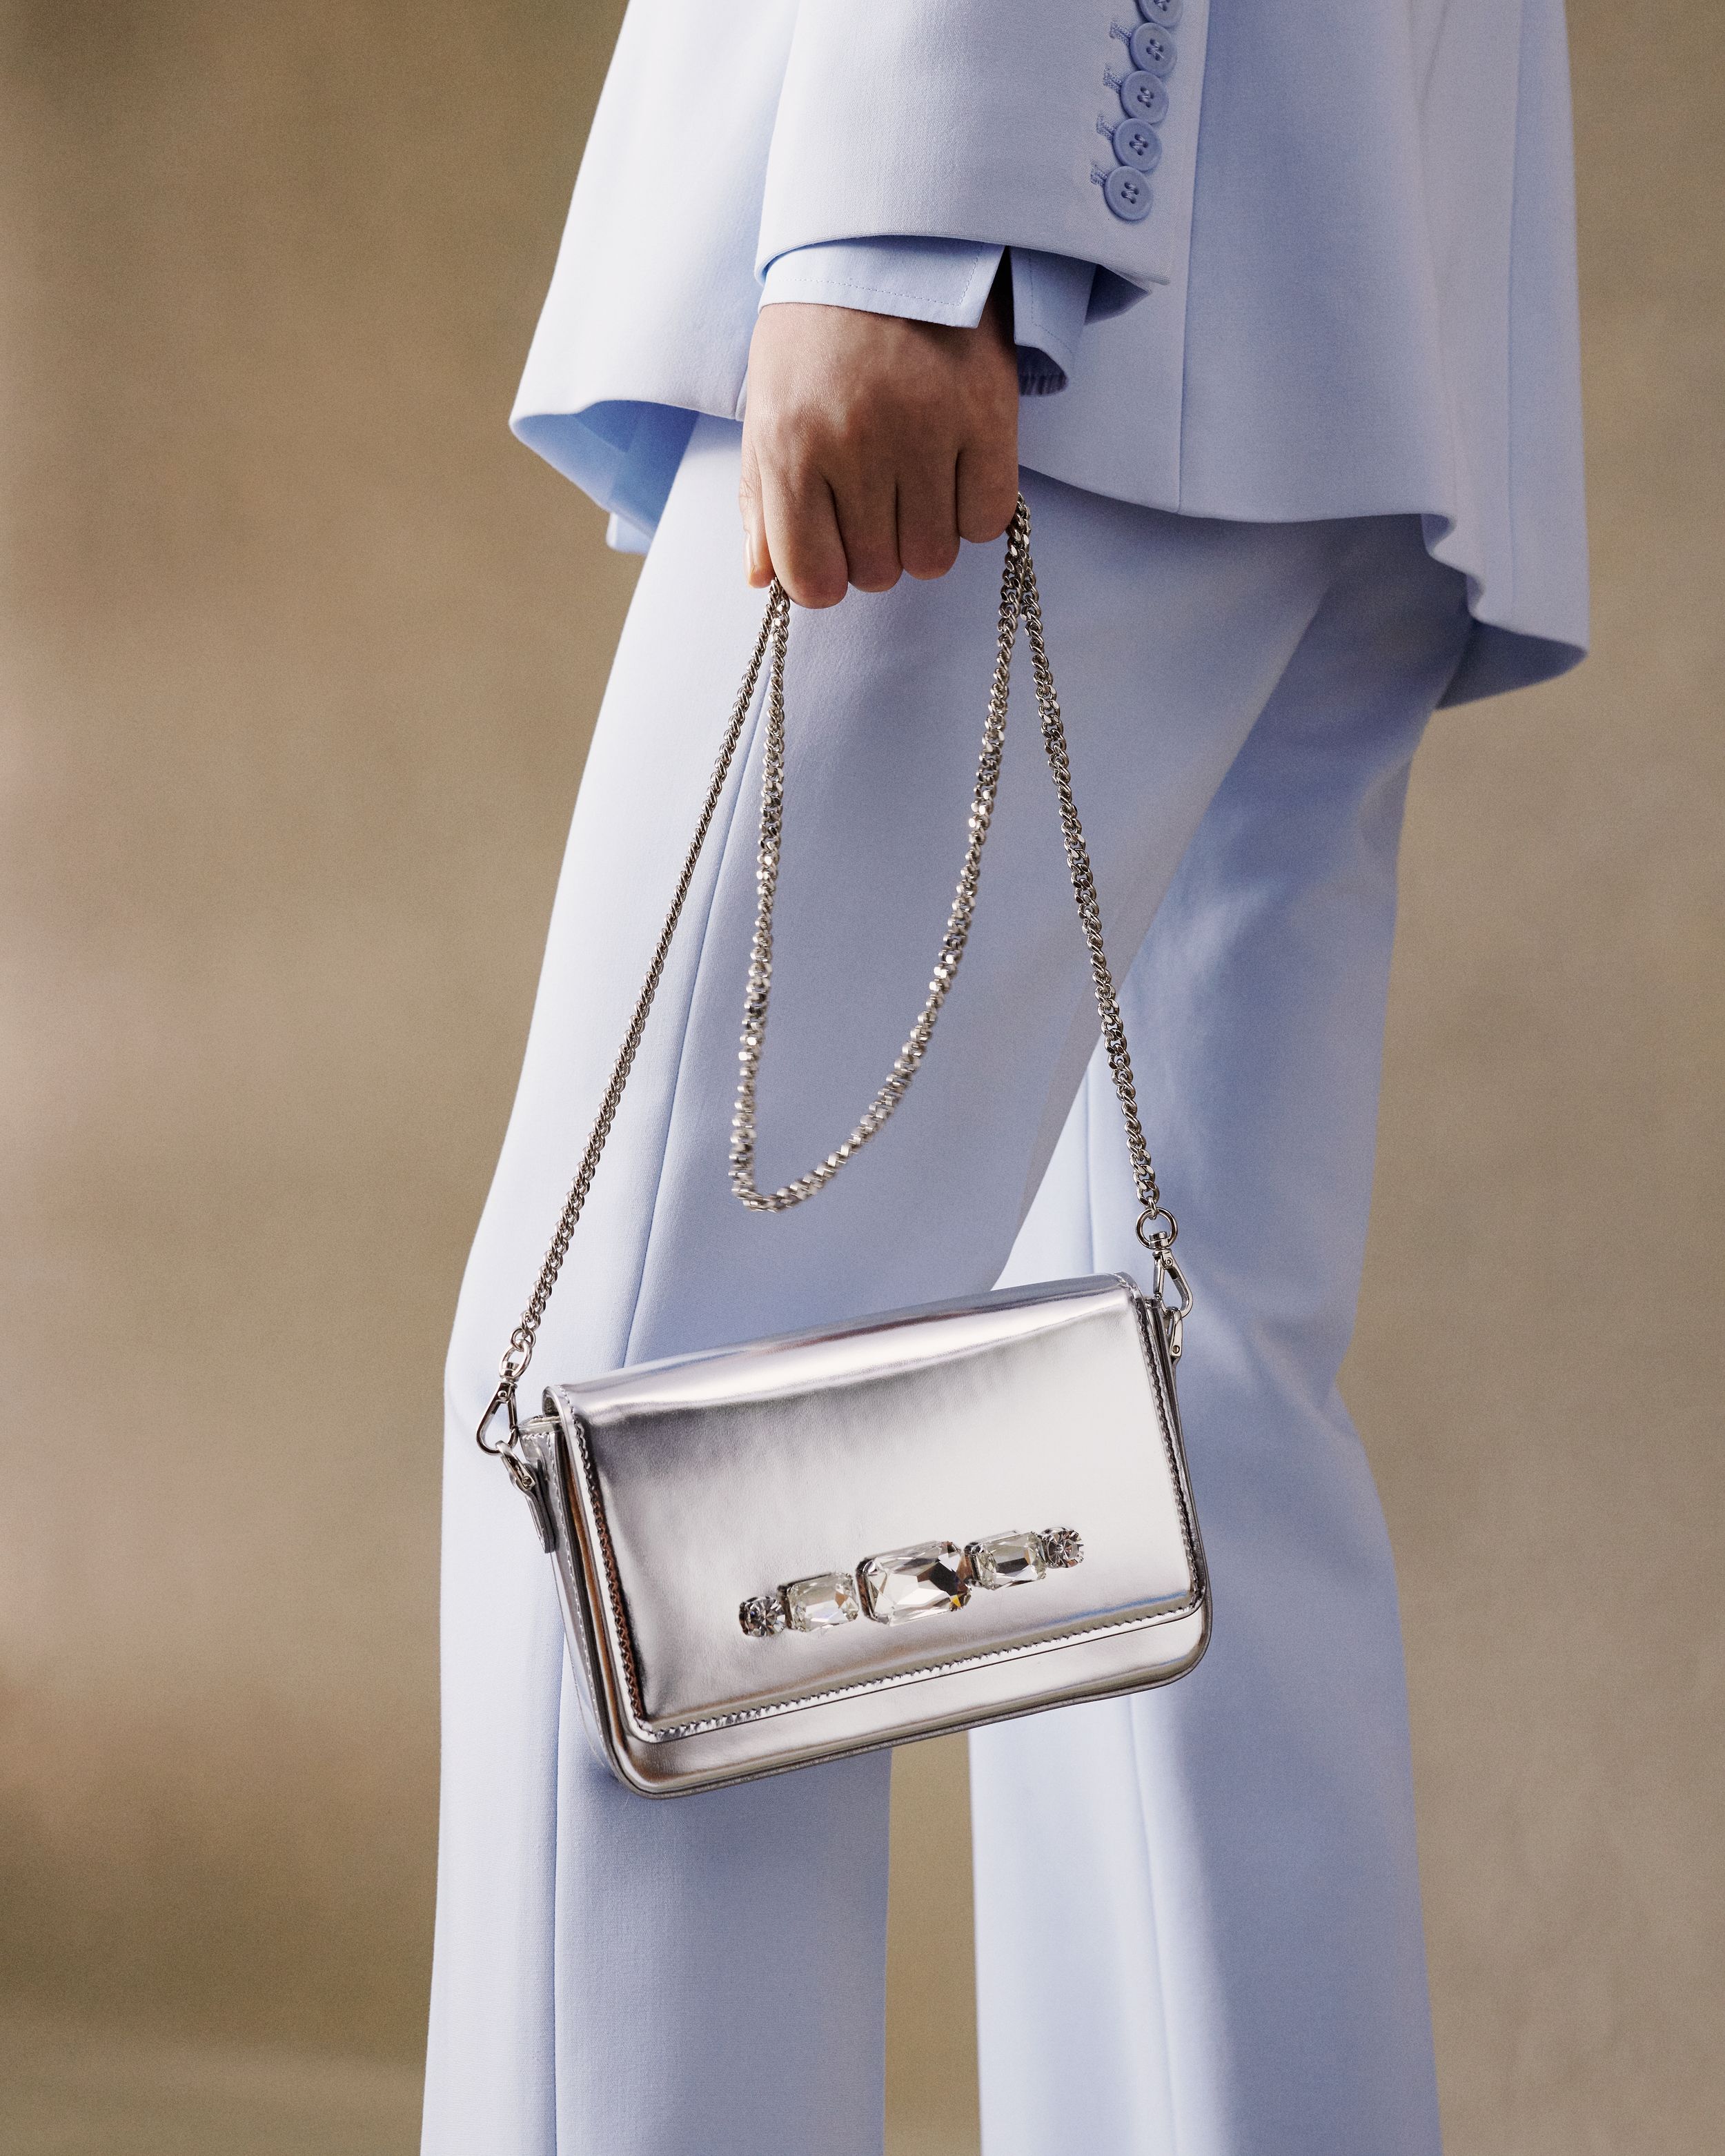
x=1152, y=48
x=1138, y=144
x=1144, y=96
x=1165, y=12
x=1128, y=194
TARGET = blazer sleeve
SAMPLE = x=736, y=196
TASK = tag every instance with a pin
x=1012, y=123
x=948, y=281
x=1041, y=124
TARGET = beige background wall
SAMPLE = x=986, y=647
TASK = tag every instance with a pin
x=298, y=654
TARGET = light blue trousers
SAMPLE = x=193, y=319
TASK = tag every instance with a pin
x=1198, y=1918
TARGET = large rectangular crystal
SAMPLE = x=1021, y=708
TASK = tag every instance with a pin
x=829, y=1597
x=914, y=1583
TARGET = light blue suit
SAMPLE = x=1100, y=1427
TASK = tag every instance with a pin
x=1358, y=263
x=1313, y=469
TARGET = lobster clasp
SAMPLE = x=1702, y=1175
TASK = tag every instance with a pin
x=503, y=1448
x=1174, y=1314
x=525, y=1475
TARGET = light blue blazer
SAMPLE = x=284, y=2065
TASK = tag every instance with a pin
x=1347, y=226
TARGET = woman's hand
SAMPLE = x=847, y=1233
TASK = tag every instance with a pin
x=872, y=445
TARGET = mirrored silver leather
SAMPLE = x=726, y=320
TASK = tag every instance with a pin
x=676, y=1489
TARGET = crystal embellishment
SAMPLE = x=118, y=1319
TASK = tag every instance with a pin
x=829, y=1597
x=763, y=1615
x=1013, y=1560
x=918, y=1582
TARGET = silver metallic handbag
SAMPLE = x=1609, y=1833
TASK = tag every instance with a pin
x=810, y=1546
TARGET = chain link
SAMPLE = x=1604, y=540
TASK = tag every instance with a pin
x=518, y=1353
x=946, y=959
x=1020, y=601
x=1089, y=911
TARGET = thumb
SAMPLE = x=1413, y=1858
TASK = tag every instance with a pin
x=757, y=559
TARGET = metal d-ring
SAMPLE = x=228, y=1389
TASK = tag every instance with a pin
x=1156, y=1240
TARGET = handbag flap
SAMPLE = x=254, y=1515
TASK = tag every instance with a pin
x=705, y=1480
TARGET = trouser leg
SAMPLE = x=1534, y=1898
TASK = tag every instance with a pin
x=1197, y=1910
x=655, y=1979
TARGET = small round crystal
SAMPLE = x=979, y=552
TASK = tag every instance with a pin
x=763, y=1615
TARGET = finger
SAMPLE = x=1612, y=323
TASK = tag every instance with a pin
x=868, y=524
x=757, y=557
x=803, y=539
x=987, y=484
x=928, y=517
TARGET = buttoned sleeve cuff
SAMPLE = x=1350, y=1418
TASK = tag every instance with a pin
x=948, y=281
x=1050, y=303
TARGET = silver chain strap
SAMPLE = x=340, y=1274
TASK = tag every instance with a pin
x=1157, y=1227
